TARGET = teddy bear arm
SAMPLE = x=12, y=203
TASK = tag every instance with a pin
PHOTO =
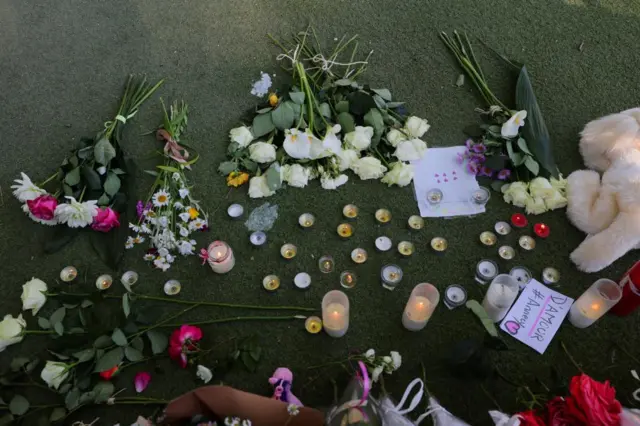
x=591, y=206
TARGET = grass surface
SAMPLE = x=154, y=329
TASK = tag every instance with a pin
x=63, y=67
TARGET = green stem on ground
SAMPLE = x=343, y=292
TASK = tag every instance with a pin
x=35, y=385
x=38, y=331
x=49, y=179
x=573, y=361
x=231, y=319
x=627, y=353
x=326, y=364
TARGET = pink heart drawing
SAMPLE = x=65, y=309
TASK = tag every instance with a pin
x=512, y=327
x=455, y=178
x=437, y=175
x=438, y=180
x=446, y=180
x=444, y=174
x=454, y=172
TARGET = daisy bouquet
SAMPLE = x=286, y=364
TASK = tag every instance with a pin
x=170, y=215
x=322, y=124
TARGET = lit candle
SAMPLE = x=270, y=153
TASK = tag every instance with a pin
x=422, y=302
x=486, y=270
x=594, y=303
x=302, y=280
x=235, y=211
x=500, y=296
x=271, y=283
x=502, y=228
x=506, y=252
x=306, y=220
x=359, y=255
x=522, y=275
x=415, y=222
x=434, y=197
x=288, y=251
x=104, y=282
x=480, y=196
x=527, y=243
x=335, y=313
x=383, y=216
x=390, y=275
x=220, y=257
x=172, y=287
x=68, y=274
x=439, y=244
x=348, y=279
x=345, y=230
x=488, y=238
x=519, y=220
x=383, y=243
x=350, y=211
x=541, y=230
x=129, y=278
x=313, y=325
x=325, y=263
x=406, y=248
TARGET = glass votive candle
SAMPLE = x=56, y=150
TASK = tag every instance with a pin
x=522, y=275
x=345, y=230
x=220, y=257
x=502, y=228
x=129, y=278
x=348, y=279
x=415, y=222
x=172, y=287
x=335, y=313
x=501, y=294
x=68, y=274
x=488, y=238
x=383, y=244
x=313, y=325
x=235, y=211
x=383, y=216
x=350, y=211
x=550, y=276
x=302, y=280
x=406, y=248
x=434, y=197
x=306, y=220
x=359, y=255
x=422, y=302
x=103, y=282
x=288, y=251
x=271, y=283
x=326, y=263
x=390, y=275
x=594, y=303
x=480, y=196
x=258, y=238
x=454, y=296
x=527, y=243
x=439, y=244
x=506, y=252
x=486, y=270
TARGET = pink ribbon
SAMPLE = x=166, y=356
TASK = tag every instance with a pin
x=363, y=376
x=204, y=255
x=172, y=148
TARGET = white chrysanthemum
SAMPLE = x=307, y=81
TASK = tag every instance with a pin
x=161, y=198
x=51, y=222
x=144, y=229
x=25, y=190
x=370, y=355
x=183, y=192
x=262, y=86
x=129, y=243
x=75, y=214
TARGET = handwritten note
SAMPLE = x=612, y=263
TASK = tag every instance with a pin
x=536, y=316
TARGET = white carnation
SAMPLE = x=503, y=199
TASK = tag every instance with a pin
x=75, y=214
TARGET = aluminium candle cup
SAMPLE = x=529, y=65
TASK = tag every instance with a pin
x=271, y=283
x=172, y=287
x=68, y=274
x=348, y=279
x=313, y=325
x=326, y=264
x=359, y=255
x=235, y=211
x=506, y=252
x=383, y=216
x=345, y=230
x=288, y=251
x=406, y=248
x=502, y=228
x=306, y=220
x=550, y=276
x=258, y=238
x=439, y=245
x=302, y=281
x=415, y=222
x=486, y=270
x=104, y=281
x=391, y=276
x=488, y=238
x=350, y=211
x=129, y=278
x=522, y=275
x=527, y=242
x=455, y=296
x=383, y=244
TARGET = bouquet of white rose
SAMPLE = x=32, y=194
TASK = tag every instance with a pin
x=322, y=125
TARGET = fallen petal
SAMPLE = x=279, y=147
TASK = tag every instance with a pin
x=141, y=381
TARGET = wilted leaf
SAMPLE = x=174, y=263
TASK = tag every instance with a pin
x=460, y=80
x=158, y=340
x=262, y=124
x=479, y=311
x=18, y=405
x=103, y=151
x=133, y=354
x=109, y=360
x=119, y=338
x=249, y=363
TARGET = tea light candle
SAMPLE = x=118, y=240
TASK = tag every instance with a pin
x=104, y=282
x=172, y=287
x=313, y=325
x=220, y=257
x=439, y=244
x=506, y=252
x=541, y=230
x=383, y=216
x=415, y=222
x=550, y=276
x=345, y=230
x=68, y=274
x=325, y=263
x=502, y=228
x=526, y=242
x=406, y=248
x=501, y=294
x=455, y=295
x=350, y=211
x=335, y=313
x=488, y=238
x=306, y=220
x=519, y=220
x=391, y=275
x=522, y=275
x=594, y=303
x=486, y=270
x=235, y=211
x=422, y=302
x=383, y=243
x=302, y=280
x=258, y=238
x=271, y=283
x=348, y=279
x=359, y=255
x=288, y=251
x=129, y=278
x=434, y=197
x=480, y=196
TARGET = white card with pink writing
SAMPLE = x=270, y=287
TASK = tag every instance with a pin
x=536, y=316
x=439, y=169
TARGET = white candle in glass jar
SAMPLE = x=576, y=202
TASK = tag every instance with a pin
x=220, y=257
x=594, y=303
x=501, y=294
x=335, y=313
x=422, y=302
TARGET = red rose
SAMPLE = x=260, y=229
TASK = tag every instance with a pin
x=530, y=418
x=43, y=207
x=592, y=402
x=106, y=220
x=108, y=374
x=558, y=413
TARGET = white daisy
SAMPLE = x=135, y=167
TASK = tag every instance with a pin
x=161, y=264
x=153, y=221
x=134, y=228
x=145, y=229
x=178, y=205
x=161, y=198
x=26, y=190
x=163, y=252
x=197, y=224
x=138, y=239
x=176, y=176
x=185, y=248
x=129, y=243
x=185, y=216
x=183, y=192
x=293, y=409
x=75, y=214
x=51, y=222
x=149, y=257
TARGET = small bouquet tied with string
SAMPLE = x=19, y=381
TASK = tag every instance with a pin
x=170, y=214
x=89, y=188
x=322, y=124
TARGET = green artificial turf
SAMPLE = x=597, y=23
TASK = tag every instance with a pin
x=64, y=64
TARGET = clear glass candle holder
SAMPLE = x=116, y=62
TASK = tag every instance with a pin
x=335, y=313
x=501, y=294
x=220, y=257
x=594, y=303
x=422, y=302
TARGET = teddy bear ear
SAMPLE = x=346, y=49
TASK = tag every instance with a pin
x=606, y=138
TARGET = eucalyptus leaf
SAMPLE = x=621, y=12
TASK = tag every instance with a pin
x=87, y=398
x=343, y=82
x=138, y=343
x=297, y=97
x=522, y=144
x=64, y=388
x=58, y=414
x=379, y=102
x=262, y=124
x=59, y=328
x=112, y=184
x=109, y=360
x=479, y=311
x=374, y=119
x=72, y=177
x=91, y=178
x=44, y=323
x=85, y=153
x=72, y=399
x=283, y=116
x=73, y=160
x=264, y=110
x=273, y=176
x=227, y=167
x=233, y=147
x=532, y=165
x=159, y=341
x=18, y=405
x=102, y=391
x=151, y=172
x=383, y=93
x=118, y=171
x=347, y=123
x=518, y=158
x=86, y=303
x=133, y=354
x=102, y=342
x=68, y=191
x=325, y=109
x=103, y=151
x=57, y=316
x=119, y=338
x=342, y=106
x=251, y=166
x=126, y=308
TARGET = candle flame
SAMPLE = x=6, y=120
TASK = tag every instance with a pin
x=595, y=306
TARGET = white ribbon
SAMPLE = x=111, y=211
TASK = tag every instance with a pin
x=320, y=59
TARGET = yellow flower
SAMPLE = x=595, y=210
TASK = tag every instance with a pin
x=193, y=213
x=237, y=178
x=273, y=99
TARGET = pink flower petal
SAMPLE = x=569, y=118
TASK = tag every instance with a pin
x=141, y=381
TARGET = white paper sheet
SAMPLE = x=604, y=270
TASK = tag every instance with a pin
x=439, y=169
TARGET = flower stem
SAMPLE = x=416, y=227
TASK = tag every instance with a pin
x=326, y=364
x=49, y=179
x=38, y=331
x=220, y=304
x=230, y=319
x=573, y=361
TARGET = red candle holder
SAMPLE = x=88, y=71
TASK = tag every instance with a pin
x=541, y=230
x=519, y=220
x=630, y=284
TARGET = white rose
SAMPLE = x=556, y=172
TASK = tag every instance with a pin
x=204, y=374
x=556, y=201
x=397, y=359
x=346, y=159
x=410, y=150
x=395, y=136
x=370, y=355
x=400, y=174
x=512, y=126
x=516, y=194
x=295, y=175
x=535, y=205
x=559, y=184
x=541, y=187
x=360, y=138
x=329, y=182
x=368, y=168
x=262, y=152
x=241, y=135
x=54, y=373
x=11, y=330
x=33, y=295
x=416, y=126
x=258, y=187
x=376, y=373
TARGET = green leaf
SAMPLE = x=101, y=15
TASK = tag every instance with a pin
x=91, y=178
x=325, y=109
x=138, y=343
x=82, y=319
x=7, y=419
x=249, y=363
x=60, y=356
x=112, y=184
x=70, y=305
x=297, y=97
x=510, y=151
x=343, y=82
x=59, y=328
x=532, y=165
x=87, y=398
x=64, y=388
x=72, y=178
x=103, y=151
x=347, y=122
x=85, y=355
x=86, y=303
x=57, y=316
x=342, y=106
x=44, y=323
x=109, y=360
x=18, y=362
x=232, y=148
x=264, y=110
x=168, y=169
x=479, y=311
x=274, y=181
x=133, y=354
x=360, y=103
x=159, y=341
x=496, y=162
x=227, y=167
x=256, y=352
x=118, y=171
x=380, y=103
x=102, y=391
x=497, y=185
x=102, y=342
x=522, y=144
x=119, y=338
x=262, y=124
x=31, y=366
x=125, y=305
x=535, y=130
x=283, y=116
x=85, y=152
x=374, y=119
x=58, y=414
x=251, y=166
x=104, y=200
x=383, y=93
x=18, y=405
x=72, y=400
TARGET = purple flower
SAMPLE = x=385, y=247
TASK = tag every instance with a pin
x=469, y=144
x=460, y=158
x=478, y=158
x=141, y=208
x=485, y=171
x=472, y=167
x=479, y=148
x=504, y=174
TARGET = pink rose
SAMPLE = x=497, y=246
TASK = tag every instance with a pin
x=43, y=207
x=592, y=402
x=106, y=220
